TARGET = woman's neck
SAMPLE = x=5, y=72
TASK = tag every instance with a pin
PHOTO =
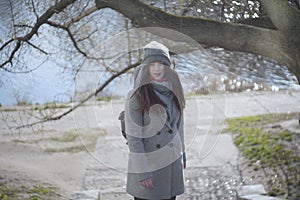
x=159, y=80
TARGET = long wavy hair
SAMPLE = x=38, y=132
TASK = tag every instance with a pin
x=147, y=96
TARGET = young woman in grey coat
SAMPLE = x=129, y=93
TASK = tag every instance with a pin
x=154, y=128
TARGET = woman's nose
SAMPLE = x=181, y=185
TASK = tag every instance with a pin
x=158, y=66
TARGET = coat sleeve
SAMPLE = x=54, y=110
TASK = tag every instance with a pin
x=181, y=132
x=138, y=162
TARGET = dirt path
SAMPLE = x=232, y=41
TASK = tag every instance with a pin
x=62, y=171
x=212, y=157
x=213, y=165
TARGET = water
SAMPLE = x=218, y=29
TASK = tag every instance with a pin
x=52, y=82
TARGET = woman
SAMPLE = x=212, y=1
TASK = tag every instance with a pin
x=154, y=128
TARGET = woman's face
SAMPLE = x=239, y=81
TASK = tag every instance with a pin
x=157, y=70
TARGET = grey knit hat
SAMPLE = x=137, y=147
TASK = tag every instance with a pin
x=156, y=52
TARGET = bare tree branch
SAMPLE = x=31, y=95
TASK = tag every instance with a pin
x=60, y=6
x=12, y=16
x=75, y=43
x=6, y=43
x=34, y=10
x=23, y=26
x=36, y=47
x=40, y=21
x=9, y=60
x=99, y=89
x=231, y=36
x=70, y=35
x=282, y=15
x=88, y=36
x=82, y=15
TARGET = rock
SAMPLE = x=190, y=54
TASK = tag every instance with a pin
x=250, y=189
x=291, y=125
x=86, y=195
x=253, y=192
x=258, y=197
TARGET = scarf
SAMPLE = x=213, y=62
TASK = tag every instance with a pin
x=163, y=91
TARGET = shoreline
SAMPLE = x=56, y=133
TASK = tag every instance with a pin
x=104, y=100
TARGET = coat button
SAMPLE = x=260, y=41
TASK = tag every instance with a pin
x=158, y=133
x=170, y=131
x=158, y=146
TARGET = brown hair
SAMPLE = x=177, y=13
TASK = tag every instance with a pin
x=147, y=97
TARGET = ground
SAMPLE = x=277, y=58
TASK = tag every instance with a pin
x=82, y=151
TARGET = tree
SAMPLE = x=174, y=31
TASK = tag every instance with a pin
x=279, y=41
x=273, y=34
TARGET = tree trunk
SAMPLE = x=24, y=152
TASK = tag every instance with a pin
x=287, y=20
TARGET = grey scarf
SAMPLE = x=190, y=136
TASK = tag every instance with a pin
x=163, y=91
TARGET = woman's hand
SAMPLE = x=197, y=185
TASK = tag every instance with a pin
x=147, y=183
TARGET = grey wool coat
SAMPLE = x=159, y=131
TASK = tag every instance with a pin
x=156, y=149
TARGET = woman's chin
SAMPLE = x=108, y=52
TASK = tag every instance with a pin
x=157, y=78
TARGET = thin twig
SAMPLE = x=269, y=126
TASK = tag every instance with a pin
x=12, y=17
x=6, y=43
x=36, y=47
x=23, y=26
x=9, y=60
x=58, y=7
x=84, y=100
x=70, y=35
x=82, y=15
x=34, y=10
x=88, y=36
